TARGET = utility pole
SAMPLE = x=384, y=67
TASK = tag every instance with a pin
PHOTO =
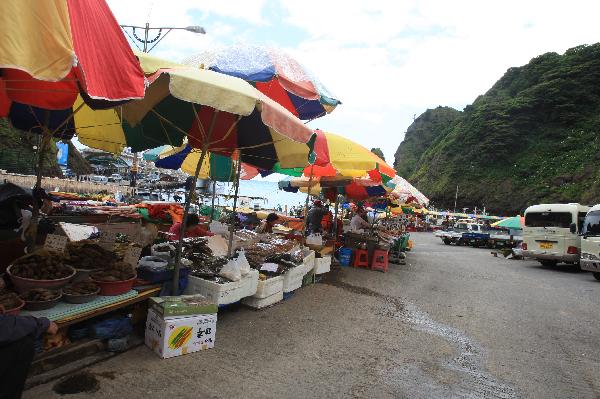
x=455, y=198
x=145, y=41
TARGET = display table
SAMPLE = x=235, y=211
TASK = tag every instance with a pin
x=65, y=314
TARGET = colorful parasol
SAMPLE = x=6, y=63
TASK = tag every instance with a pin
x=53, y=51
x=515, y=222
x=181, y=102
x=274, y=73
x=215, y=167
x=406, y=193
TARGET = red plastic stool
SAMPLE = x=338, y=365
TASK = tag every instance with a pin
x=380, y=260
x=361, y=258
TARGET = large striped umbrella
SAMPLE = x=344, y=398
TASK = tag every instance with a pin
x=53, y=51
x=274, y=73
x=215, y=167
x=184, y=103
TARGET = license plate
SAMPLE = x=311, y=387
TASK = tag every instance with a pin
x=546, y=245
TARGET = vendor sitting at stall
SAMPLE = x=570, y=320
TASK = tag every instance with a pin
x=192, y=229
x=358, y=222
x=266, y=226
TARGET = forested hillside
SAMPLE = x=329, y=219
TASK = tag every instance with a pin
x=533, y=137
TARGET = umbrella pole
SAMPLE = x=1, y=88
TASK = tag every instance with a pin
x=186, y=209
x=306, y=203
x=212, y=206
x=235, y=197
x=335, y=215
x=35, y=213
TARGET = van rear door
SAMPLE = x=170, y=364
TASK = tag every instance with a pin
x=549, y=231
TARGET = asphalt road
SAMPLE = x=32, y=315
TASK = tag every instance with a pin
x=454, y=322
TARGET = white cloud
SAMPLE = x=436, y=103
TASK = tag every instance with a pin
x=387, y=60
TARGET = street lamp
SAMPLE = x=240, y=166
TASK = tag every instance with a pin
x=146, y=40
x=159, y=35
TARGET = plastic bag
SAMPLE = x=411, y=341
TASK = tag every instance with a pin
x=163, y=250
x=243, y=262
x=116, y=327
x=314, y=239
x=231, y=271
x=153, y=263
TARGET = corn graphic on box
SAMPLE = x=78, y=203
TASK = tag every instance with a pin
x=175, y=336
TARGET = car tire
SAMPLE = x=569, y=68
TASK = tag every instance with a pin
x=596, y=275
x=446, y=241
x=548, y=263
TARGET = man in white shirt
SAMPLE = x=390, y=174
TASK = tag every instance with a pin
x=358, y=222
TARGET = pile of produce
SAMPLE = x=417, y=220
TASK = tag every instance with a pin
x=88, y=255
x=257, y=254
x=285, y=262
x=81, y=288
x=196, y=250
x=282, y=244
x=121, y=248
x=204, y=263
x=41, y=265
x=9, y=300
x=118, y=271
x=209, y=268
x=40, y=295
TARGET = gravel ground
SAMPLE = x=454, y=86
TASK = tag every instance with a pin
x=454, y=322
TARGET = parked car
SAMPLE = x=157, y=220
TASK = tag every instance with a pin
x=99, y=179
x=115, y=177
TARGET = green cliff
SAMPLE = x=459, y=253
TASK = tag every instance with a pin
x=533, y=137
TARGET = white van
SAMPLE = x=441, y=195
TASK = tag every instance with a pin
x=551, y=232
x=590, y=242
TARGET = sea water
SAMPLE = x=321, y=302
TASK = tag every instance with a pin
x=266, y=194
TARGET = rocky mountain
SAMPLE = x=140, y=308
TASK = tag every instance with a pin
x=18, y=154
x=533, y=137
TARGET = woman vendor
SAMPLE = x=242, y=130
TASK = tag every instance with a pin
x=266, y=226
x=358, y=222
x=192, y=229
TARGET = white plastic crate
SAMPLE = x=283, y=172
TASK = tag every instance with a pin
x=224, y=294
x=269, y=287
x=292, y=280
x=259, y=303
x=322, y=265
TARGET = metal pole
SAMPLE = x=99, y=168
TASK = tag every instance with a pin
x=212, y=206
x=186, y=209
x=235, y=197
x=455, y=198
x=335, y=215
x=46, y=139
x=306, y=203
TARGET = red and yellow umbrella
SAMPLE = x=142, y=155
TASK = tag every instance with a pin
x=53, y=51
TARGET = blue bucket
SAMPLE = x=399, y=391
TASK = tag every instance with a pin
x=345, y=256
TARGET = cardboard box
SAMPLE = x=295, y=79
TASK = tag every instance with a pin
x=184, y=305
x=176, y=336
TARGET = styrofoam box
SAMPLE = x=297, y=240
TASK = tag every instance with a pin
x=269, y=287
x=322, y=265
x=258, y=303
x=224, y=294
x=176, y=336
x=292, y=280
x=309, y=257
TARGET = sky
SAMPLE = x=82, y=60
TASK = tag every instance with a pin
x=387, y=61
